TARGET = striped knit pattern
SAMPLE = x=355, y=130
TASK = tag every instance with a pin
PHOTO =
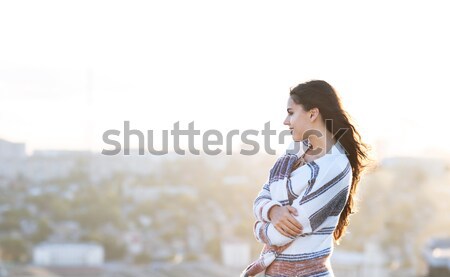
x=319, y=191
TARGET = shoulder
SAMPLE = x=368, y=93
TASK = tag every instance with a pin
x=335, y=163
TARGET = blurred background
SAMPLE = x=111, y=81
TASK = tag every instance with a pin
x=69, y=71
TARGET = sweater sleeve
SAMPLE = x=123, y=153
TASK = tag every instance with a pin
x=263, y=203
x=324, y=197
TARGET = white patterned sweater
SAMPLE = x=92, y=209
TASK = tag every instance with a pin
x=318, y=190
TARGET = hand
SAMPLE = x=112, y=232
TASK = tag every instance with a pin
x=284, y=222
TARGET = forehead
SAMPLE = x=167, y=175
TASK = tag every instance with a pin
x=292, y=105
x=290, y=102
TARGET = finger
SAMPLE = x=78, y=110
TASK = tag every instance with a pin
x=292, y=210
x=284, y=230
x=295, y=222
x=288, y=227
x=281, y=230
x=295, y=229
x=291, y=229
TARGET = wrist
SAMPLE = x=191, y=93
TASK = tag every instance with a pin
x=267, y=207
x=272, y=209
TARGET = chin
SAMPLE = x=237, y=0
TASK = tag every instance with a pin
x=295, y=137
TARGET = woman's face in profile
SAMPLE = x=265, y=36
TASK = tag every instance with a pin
x=297, y=120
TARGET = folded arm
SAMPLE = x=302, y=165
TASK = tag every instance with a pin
x=323, y=198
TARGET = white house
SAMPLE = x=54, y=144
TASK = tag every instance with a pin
x=235, y=253
x=68, y=254
x=12, y=157
x=370, y=263
x=12, y=150
x=437, y=256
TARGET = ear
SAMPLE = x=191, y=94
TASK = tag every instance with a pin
x=313, y=114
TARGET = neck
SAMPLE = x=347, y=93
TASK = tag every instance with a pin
x=321, y=145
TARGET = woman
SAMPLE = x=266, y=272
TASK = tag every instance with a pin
x=305, y=204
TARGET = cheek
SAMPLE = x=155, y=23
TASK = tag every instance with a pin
x=290, y=120
x=294, y=120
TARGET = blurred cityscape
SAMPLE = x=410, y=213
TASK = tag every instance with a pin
x=79, y=213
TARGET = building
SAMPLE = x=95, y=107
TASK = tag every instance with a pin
x=11, y=150
x=437, y=257
x=12, y=157
x=369, y=263
x=235, y=253
x=68, y=254
x=426, y=166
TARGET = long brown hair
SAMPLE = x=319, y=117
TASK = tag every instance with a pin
x=319, y=94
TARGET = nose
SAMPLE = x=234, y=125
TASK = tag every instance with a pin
x=286, y=121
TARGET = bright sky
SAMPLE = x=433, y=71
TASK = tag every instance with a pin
x=70, y=70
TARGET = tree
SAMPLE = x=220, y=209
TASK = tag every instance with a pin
x=13, y=250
